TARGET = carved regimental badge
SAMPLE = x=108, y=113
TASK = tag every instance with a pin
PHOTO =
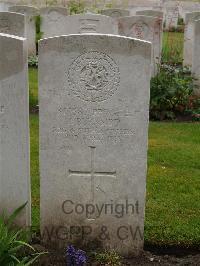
x=140, y=30
x=53, y=16
x=93, y=76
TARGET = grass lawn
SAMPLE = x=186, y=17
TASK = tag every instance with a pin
x=173, y=184
x=33, y=85
x=34, y=147
x=172, y=50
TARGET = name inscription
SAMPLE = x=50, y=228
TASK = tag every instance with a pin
x=93, y=127
x=4, y=25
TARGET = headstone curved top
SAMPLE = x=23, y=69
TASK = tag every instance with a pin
x=190, y=18
x=90, y=23
x=81, y=23
x=53, y=20
x=12, y=23
x=94, y=109
x=30, y=13
x=26, y=10
x=52, y=10
x=144, y=28
x=115, y=12
x=14, y=128
x=151, y=13
x=171, y=17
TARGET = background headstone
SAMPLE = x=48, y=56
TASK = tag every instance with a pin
x=171, y=17
x=189, y=37
x=187, y=7
x=30, y=15
x=144, y=28
x=4, y=6
x=94, y=106
x=196, y=56
x=12, y=23
x=14, y=127
x=150, y=13
x=87, y=23
x=135, y=9
x=52, y=20
x=115, y=12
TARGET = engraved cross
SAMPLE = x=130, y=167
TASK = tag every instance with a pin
x=92, y=173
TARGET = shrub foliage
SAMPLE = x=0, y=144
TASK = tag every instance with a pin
x=171, y=92
x=13, y=241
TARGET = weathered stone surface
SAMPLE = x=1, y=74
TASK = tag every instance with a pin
x=150, y=13
x=12, y=23
x=30, y=13
x=4, y=6
x=189, y=37
x=52, y=21
x=144, y=28
x=115, y=12
x=14, y=133
x=94, y=105
x=91, y=23
x=187, y=7
x=87, y=23
x=171, y=17
x=196, y=56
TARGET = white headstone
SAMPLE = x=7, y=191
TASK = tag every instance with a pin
x=135, y=9
x=87, y=23
x=14, y=127
x=4, y=6
x=94, y=105
x=150, y=13
x=196, y=56
x=115, y=12
x=144, y=28
x=90, y=23
x=189, y=37
x=171, y=17
x=188, y=7
x=30, y=14
x=52, y=21
x=12, y=23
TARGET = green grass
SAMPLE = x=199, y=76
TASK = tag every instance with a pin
x=172, y=50
x=35, y=182
x=173, y=184
x=33, y=87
